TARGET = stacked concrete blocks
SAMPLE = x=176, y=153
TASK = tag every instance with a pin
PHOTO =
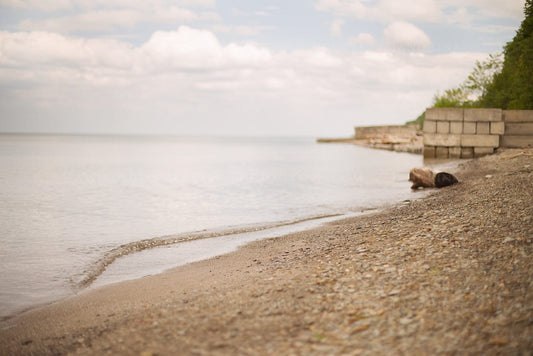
x=461, y=133
x=518, y=128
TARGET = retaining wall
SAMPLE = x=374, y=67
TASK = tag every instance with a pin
x=369, y=132
x=518, y=128
x=467, y=133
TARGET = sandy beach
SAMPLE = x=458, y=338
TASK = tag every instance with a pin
x=448, y=274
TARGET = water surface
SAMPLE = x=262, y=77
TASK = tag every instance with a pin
x=74, y=206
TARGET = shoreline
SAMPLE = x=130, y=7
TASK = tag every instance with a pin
x=414, y=145
x=448, y=273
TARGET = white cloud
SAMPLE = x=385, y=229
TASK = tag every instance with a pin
x=190, y=74
x=187, y=49
x=48, y=5
x=31, y=50
x=493, y=8
x=383, y=10
x=108, y=19
x=260, y=12
x=363, y=39
x=241, y=30
x=54, y=5
x=425, y=11
x=336, y=28
x=406, y=36
x=414, y=10
x=320, y=58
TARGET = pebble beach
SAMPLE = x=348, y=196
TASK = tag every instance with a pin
x=451, y=273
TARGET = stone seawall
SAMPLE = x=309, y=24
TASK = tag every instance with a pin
x=399, y=138
x=380, y=132
x=518, y=128
x=467, y=133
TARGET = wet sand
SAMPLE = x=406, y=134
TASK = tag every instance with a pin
x=451, y=273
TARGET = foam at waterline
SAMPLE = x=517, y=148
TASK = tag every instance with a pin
x=240, y=235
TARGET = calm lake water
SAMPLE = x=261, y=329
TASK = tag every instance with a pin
x=79, y=211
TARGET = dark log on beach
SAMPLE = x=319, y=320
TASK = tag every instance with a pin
x=444, y=179
x=427, y=178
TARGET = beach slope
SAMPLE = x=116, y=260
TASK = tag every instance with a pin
x=450, y=273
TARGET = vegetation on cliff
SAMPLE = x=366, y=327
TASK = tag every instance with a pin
x=503, y=80
x=512, y=87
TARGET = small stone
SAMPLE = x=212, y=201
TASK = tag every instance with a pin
x=405, y=321
x=498, y=341
x=148, y=353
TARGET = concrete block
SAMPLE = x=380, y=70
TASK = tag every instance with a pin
x=454, y=152
x=456, y=127
x=518, y=115
x=467, y=152
x=443, y=127
x=442, y=140
x=519, y=128
x=444, y=114
x=469, y=128
x=483, y=151
x=429, y=152
x=497, y=128
x=483, y=128
x=441, y=152
x=480, y=140
x=430, y=126
x=483, y=115
x=365, y=132
x=517, y=141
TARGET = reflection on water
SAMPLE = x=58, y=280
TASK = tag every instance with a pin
x=70, y=200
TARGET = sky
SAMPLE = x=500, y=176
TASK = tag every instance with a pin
x=237, y=67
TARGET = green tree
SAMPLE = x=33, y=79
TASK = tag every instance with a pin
x=453, y=98
x=512, y=88
x=482, y=76
x=474, y=88
x=494, y=83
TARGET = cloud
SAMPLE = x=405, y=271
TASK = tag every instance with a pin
x=406, y=36
x=109, y=19
x=363, y=39
x=55, y=5
x=183, y=49
x=336, y=28
x=262, y=12
x=382, y=11
x=188, y=77
x=199, y=53
x=423, y=11
x=241, y=30
x=493, y=8
x=36, y=52
x=47, y=6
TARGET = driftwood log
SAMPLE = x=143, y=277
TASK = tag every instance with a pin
x=427, y=178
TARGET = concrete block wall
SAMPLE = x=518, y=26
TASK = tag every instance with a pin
x=369, y=132
x=462, y=133
x=518, y=130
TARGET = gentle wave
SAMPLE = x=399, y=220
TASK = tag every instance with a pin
x=96, y=269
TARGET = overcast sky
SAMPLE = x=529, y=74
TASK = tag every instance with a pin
x=237, y=67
